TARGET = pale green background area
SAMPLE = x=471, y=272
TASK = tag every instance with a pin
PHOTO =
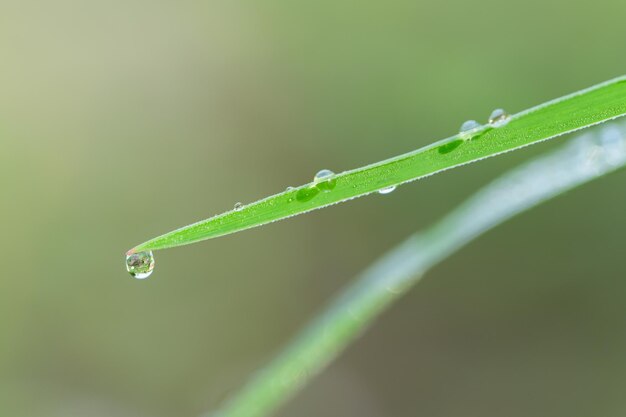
x=121, y=120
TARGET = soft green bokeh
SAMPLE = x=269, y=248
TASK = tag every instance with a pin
x=239, y=100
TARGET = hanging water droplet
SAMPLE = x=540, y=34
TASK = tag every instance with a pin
x=140, y=264
x=387, y=190
x=499, y=118
x=238, y=206
x=469, y=128
x=325, y=180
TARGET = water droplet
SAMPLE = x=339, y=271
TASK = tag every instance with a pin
x=325, y=180
x=140, y=264
x=387, y=190
x=238, y=206
x=469, y=128
x=499, y=118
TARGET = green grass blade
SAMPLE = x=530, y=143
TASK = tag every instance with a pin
x=593, y=155
x=564, y=115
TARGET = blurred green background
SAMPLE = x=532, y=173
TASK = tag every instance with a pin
x=121, y=120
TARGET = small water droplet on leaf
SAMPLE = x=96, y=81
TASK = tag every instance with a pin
x=325, y=180
x=469, y=129
x=387, y=190
x=499, y=118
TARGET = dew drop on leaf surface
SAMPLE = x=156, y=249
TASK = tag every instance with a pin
x=499, y=118
x=325, y=180
x=468, y=129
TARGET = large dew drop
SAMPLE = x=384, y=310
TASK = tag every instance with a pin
x=469, y=129
x=499, y=118
x=140, y=264
x=325, y=180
